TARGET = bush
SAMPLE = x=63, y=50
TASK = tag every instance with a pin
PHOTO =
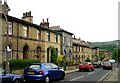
x=88, y=60
x=21, y=63
x=60, y=60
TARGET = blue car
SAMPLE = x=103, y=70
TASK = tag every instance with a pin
x=43, y=72
x=10, y=78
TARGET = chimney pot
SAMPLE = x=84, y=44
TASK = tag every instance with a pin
x=74, y=36
x=47, y=20
x=24, y=15
x=43, y=20
x=29, y=13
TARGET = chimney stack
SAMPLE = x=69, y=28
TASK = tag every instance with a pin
x=74, y=36
x=43, y=20
x=47, y=20
x=27, y=17
x=45, y=24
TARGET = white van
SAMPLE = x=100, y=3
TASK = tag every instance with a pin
x=112, y=60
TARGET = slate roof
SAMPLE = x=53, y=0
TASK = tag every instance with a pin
x=58, y=29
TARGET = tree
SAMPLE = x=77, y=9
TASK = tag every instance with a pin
x=102, y=56
x=87, y=60
x=116, y=54
x=53, y=55
x=60, y=60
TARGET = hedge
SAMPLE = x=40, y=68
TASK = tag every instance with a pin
x=21, y=63
x=87, y=60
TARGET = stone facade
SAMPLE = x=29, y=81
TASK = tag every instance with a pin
x=66, y=42
x=83, y=50
x=23, y=41
x=106, y=54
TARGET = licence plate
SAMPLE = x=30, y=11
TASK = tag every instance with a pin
x=30, y=72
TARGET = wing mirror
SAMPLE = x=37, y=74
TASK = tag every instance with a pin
x=59, y=67
x=4, y=73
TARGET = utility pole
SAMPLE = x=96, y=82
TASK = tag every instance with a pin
x=5, y=12
x=117, y=53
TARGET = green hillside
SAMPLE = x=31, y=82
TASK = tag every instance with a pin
x=109, y=45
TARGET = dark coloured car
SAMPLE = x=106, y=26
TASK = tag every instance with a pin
x=102, y=63
x=86, y=66
x=107, y=65
x=96, y=64
x=43, y=72
x=10, y=78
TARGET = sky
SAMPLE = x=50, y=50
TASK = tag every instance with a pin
x=89, y=20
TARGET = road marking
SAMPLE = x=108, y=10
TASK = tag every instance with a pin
x=90, y=73
x=103, y=77
x=76, y=78
x=81, y=76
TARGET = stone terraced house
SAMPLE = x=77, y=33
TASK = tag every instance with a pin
x=27, y=40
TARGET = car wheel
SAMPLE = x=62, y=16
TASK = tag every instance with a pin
x=47, y=79
x=17, y=81
x=79, y=69
x=111, y=68
x=89, y=69
x=62, y=76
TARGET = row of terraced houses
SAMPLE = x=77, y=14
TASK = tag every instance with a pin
x=31, y=41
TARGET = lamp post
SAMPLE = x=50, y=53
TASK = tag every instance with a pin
x=5, y=12
x=117, y=54
x=65, y=60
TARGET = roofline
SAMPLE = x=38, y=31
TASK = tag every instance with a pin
x=11, y=18
x=81, y=45
x=62, y=30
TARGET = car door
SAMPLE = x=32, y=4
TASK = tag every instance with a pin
x=49, y=70
x=91, y=66
x=56, y=71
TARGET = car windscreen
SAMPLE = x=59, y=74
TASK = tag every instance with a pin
x=84, y=63
x=34, y=66
x=107, y=63
x=95, y=62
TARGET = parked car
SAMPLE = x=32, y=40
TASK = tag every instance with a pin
x=107, y=65
x=96, y=64
x=43, y=72
x=10, y=78
x=102, y=63
x=112, y=61
x=86, y=66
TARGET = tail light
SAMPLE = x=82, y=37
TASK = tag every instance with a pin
x=41, y=72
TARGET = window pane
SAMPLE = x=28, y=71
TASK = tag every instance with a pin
x=48, y=36
x=25, y=29
x=38, y=34
x=10, y=28
x=56, y=38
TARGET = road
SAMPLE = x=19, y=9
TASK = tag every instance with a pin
x=92, y=76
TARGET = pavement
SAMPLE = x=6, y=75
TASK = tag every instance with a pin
x=70, y=71
x=112, y=76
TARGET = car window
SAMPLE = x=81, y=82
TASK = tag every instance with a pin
x=35, y=67
x=54, y=66
x=0, y=70
x=107, y=63
x=89, y=63
x=83, y=63
x=95, y=62
x=47, y=66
